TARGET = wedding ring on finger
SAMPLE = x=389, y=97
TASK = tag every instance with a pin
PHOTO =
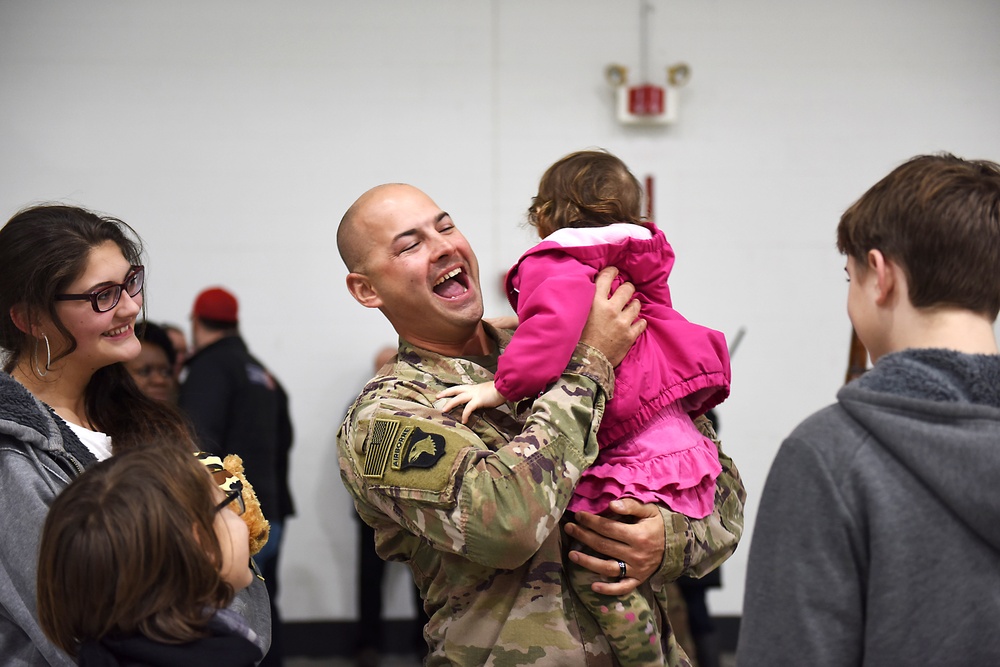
x=621, y=570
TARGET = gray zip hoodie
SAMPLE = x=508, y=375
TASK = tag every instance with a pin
x=877, y=541
x=39, y=455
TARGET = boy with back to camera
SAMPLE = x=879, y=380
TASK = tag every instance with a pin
x=878, y=536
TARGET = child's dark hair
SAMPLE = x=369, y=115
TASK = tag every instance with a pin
x=586, y=189
x=938, y=218
x=130, y=547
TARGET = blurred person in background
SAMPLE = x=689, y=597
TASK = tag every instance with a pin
x=153, y=369
x=238, y=407
x=179, y=341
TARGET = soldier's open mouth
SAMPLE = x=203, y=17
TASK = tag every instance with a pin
x=452, y=285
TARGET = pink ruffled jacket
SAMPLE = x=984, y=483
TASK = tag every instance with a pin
x=552, y=287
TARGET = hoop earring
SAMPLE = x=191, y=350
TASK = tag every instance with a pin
x=48, y=357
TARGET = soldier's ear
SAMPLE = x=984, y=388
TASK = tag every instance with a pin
x=363, y=291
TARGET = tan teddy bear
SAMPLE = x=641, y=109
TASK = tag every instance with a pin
x=228, y=473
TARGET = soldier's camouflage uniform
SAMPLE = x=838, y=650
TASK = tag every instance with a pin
x=474, y=509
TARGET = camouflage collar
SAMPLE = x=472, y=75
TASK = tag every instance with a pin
x=453, y=370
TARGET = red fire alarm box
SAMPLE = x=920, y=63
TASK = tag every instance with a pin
x=645, y=100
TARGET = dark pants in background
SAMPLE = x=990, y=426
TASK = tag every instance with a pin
x=372, y=572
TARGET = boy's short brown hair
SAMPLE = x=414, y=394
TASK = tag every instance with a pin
x=938, y=217
x=586, y=189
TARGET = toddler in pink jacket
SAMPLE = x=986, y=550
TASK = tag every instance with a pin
x=587, y=212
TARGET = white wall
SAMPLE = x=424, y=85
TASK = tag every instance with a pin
x=233, y=135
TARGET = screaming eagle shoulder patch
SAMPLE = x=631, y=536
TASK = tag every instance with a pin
x=420, y=450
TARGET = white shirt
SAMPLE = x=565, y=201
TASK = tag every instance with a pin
x=98, y=443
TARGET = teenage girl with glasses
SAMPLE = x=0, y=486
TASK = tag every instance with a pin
x=139, y=557
x=70, y=290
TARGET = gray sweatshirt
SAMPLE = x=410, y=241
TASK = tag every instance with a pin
x=877, y=541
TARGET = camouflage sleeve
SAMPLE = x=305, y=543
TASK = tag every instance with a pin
x=695, y=547
x=444, y=482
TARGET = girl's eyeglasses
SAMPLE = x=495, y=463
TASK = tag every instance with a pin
x=236, y=498
x=108, y=297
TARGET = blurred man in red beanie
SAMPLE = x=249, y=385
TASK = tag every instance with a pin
x=238, y=407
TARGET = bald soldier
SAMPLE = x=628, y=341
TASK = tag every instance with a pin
x=474, y=509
